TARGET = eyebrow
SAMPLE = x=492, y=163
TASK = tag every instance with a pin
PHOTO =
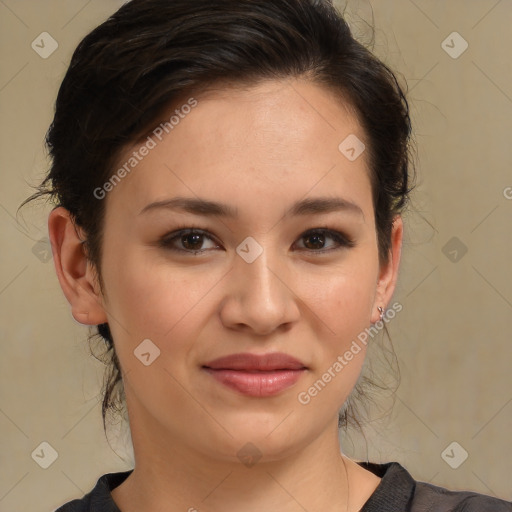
x=205, y=207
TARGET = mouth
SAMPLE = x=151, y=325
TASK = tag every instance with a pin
x=256, y=375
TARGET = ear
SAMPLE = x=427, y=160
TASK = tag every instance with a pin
x=388, y=274
x=76, y=274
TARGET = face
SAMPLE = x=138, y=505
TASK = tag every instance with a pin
x=285, y=261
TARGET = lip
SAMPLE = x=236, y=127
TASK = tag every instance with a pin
x=256, y=375
x=254, y=362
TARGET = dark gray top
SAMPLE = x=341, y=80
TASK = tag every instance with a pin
x=396, y=492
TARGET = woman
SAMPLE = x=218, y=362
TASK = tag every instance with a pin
x=229, y=179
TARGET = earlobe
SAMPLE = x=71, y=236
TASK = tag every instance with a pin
x=74, y=271
x=388, y=275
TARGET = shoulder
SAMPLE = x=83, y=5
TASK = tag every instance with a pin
x=399, y=492
x=78, y=505
x=99, y=499
x=428, y=497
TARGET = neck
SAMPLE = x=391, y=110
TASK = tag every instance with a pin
x=173, y=473
x=169, y=476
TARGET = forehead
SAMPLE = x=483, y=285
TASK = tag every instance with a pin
x=273, y=119
x=279, y=139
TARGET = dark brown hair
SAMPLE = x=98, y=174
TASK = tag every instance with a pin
x=127, y=71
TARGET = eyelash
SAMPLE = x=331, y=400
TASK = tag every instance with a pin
x=342, y=240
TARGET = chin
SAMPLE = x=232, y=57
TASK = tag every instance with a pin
x=261, y=437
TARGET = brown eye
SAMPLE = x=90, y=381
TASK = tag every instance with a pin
x=315, y=240
x=192, y=241
x=188, y=241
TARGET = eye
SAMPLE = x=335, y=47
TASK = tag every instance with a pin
x=192, y=240
x=315, y=240
x=188, y=240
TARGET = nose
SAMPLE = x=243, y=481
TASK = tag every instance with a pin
x=259, y=297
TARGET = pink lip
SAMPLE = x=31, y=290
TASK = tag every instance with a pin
x=263, y=362
x=256, y=375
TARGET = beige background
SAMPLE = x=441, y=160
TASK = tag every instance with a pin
x=452, y=338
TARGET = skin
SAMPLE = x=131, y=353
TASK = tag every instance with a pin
x=257, y=149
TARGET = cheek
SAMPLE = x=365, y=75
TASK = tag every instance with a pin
x=156, y=300
x=342, y=306
x=342, y=296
